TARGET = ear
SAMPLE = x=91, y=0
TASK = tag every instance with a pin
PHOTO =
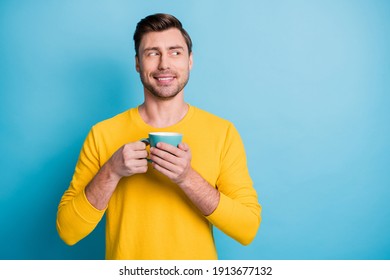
x=190, y=61
x=137, y=67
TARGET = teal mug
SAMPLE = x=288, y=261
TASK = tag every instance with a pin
x=171, y=138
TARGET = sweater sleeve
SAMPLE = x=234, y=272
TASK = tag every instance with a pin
x=76, y=217
x=238, y=213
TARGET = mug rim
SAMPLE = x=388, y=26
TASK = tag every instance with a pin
x=163, y=133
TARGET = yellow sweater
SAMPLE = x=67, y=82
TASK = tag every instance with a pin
x=149, y=217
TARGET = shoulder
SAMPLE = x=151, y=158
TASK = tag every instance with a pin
x=112, y=132
x=213, y=124
x=210, y=119
x=114, y=122
x=216, y=125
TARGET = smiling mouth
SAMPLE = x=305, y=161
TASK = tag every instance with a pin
x=164, y=78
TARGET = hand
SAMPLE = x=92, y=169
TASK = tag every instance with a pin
x=129, y=159
x=173, y=162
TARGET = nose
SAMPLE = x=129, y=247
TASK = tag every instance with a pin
x=163, y=63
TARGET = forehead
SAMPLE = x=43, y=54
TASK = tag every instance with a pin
x=163, y=40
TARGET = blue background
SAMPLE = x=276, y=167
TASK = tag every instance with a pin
x=305, y=82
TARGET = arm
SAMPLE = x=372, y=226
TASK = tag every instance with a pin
x=232, y=206
x=239, y=213
x=128, y=160
x=84, y=203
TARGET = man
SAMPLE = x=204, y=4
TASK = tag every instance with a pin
x=165, y=209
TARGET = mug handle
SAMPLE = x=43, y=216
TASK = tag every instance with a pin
x=147, y=142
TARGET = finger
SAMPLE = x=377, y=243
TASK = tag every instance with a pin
x=140, y=163
x=163, y=170
x=139, y=154
x=167, y=147
x=141, y=169
x=184, y=147
x=137, y=146
x=167, y=162
x=163, y=163
x=162, y=154
x=136, y=166
x=129, y=155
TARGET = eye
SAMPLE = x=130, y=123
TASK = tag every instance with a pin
x=176, y=53
x=153, y=53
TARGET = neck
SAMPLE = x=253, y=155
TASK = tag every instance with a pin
x=163, y=113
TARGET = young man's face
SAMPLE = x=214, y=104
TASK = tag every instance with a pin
x=164, y=63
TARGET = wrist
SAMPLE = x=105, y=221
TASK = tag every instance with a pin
x=188, y=179
x=102, y=186
x=108, y=173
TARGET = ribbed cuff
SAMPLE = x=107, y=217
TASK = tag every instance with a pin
x=86, y=210
x=220, y=216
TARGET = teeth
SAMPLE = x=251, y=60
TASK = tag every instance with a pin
x=165, y=79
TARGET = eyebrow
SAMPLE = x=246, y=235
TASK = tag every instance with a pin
x=170, y=48
x=176, y=47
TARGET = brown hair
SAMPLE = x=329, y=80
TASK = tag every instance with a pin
x=156, y=23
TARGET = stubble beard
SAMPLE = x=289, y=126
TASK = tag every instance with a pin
x=165, y=92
